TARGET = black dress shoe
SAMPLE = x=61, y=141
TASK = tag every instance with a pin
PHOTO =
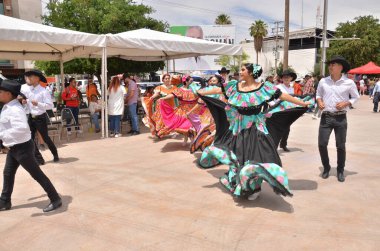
x=341, y=177
x=53, y=205
x=56, y=158
x=135, y=133
x=285, y=149
x=5, y=205
x=325, y=174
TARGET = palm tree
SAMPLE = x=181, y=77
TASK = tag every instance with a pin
x=258, y=31
x=223, y=19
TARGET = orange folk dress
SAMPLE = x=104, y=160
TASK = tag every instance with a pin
x=153, y=118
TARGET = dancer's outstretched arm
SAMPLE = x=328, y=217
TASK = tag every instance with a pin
x=286, y=97
x=216, y=90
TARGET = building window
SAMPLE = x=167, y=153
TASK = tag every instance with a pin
x=1, y=7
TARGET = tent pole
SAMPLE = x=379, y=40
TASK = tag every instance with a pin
x=105, y=92
x=167, y=65
x=62, y=73
x=173, y=65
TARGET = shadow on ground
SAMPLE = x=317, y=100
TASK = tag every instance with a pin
x=303, y=185
x=174, y=147
x=66, y=200
x=333, y=172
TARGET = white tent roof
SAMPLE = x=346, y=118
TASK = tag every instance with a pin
x=20, y=39
x=150, y=45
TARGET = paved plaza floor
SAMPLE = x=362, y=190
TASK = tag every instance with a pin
x=134, y=193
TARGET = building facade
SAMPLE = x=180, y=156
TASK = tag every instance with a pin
x=304, y=51
x=30, y=10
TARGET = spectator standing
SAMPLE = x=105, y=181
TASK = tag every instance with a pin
x=362, y=86
x=376, y=95
x=116, y=94
x=132, y=99
x=72, y=101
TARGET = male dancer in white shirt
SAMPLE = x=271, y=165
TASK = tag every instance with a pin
x=335, y=94
x=38, y=101
x=287, y=77
x=16, y=137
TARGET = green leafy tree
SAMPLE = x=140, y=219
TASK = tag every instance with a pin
x=358, y=52
x=100, y=17
x=258, y=31
x=233, y=62
x=223, y=19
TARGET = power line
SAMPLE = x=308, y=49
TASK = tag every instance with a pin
x=184, y=6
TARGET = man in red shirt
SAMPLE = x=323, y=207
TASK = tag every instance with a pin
x=72, y=99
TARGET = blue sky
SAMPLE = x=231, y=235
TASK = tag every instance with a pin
x=243, y=13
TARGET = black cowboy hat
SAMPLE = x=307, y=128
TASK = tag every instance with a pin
x=11, y=86
x=293, y=75
x=340, y=60
x=37, y=73
x=223, y=70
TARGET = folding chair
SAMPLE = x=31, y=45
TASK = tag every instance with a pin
x=53, y=128
x=60, y=107
x=53, y=117
x=68, y=117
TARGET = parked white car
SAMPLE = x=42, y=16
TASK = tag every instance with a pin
x=82, y=85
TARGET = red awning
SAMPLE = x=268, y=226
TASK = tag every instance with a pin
x=370, y=68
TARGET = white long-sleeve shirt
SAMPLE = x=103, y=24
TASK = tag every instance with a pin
x=14, y=128
x=39, y=94
x=376, y=88
x=331, y=92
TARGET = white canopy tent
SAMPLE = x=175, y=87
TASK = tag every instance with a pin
x=24, y=40
x=150, y=45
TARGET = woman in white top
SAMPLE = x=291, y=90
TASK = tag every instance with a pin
x=116, y=95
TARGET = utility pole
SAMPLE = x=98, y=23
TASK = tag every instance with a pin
x=302, y=16
x=275, y=49
x=286, y=36
x=324, y=37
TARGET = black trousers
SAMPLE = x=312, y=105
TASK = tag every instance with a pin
x=284, y=138
x=22, y=154
x=376, y=100
x=327, y=125
x=40, y=124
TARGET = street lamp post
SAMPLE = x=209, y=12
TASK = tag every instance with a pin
x=324, y=37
